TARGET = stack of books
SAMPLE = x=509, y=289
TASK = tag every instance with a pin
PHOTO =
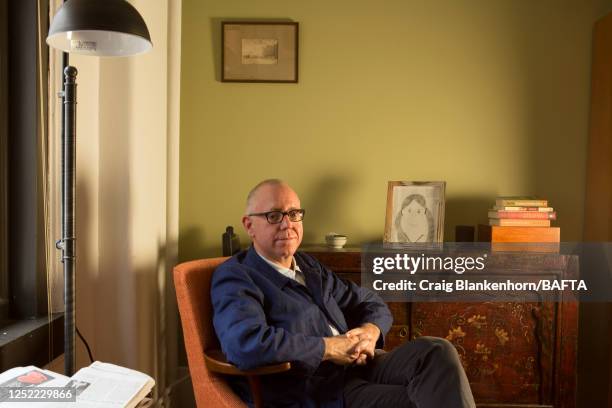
x=521, y=212
x=520, y=219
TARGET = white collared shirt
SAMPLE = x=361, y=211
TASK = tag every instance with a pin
x=293, y=273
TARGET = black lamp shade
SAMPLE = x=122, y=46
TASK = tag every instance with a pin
x=99, y=27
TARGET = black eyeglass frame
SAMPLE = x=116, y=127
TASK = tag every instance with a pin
x=266, y=214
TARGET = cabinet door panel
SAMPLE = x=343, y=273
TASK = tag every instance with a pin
x=505, y=348
x=398, y=334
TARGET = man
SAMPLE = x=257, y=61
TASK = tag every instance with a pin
x=274, y=304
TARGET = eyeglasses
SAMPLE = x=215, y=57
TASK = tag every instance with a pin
x=276, y=217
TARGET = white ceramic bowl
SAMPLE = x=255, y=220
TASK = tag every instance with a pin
x=335, y=241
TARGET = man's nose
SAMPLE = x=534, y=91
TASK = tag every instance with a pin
x=285, y=222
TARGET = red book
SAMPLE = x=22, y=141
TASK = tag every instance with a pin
x=513, y=222
x=515, y=208
x=524, y=215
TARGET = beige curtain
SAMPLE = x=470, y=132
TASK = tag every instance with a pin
x=52, y=157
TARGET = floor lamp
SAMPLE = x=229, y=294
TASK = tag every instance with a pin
x=98, y=28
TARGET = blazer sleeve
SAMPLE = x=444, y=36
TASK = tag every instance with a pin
x=359, y=305
x=241, y=326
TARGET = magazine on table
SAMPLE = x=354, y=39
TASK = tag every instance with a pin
x=101, y=385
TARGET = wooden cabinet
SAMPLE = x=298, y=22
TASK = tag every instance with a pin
x=515, y=354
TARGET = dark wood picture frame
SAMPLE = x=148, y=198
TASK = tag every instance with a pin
x=259, y=51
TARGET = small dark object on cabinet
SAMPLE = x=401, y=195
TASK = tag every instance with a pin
x=230, y=242
x=464, y=233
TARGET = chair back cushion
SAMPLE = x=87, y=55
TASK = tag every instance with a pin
x=192, y=283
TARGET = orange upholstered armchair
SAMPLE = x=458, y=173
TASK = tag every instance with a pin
x=207, y=363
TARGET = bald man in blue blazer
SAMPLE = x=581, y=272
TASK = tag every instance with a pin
x=274, y=304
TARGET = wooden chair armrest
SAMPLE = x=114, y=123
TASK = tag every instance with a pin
x=216, y=362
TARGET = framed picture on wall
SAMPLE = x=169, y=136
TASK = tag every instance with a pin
x=415, y=212
x=259, y=51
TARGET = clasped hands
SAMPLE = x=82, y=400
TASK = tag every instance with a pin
x=353, y=347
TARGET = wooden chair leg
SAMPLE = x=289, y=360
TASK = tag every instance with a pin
x=255, y=384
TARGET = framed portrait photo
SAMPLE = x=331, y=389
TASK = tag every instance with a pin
x=415, y=212
x=259, y=51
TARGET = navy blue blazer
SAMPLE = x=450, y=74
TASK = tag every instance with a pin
x=262, y=317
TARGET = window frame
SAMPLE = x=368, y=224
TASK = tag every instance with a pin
x=4, y=293
x=29, y=334
x=26, y=225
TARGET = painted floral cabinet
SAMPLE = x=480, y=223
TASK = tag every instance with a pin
x=515, y=354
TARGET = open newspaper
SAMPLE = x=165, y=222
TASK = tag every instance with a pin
x=101, y=385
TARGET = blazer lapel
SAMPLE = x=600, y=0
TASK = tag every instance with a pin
x=314, y=284
x=312, y=276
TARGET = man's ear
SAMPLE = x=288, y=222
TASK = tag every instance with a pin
x=247, y=223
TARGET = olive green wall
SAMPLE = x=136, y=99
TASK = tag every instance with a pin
x=491, y=96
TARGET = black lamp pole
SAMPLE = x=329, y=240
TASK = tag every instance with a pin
x=67, y=244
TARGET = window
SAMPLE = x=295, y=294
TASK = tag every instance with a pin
x=24, y=67
x=23, y=122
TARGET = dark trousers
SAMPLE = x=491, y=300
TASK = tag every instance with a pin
x=423, y=373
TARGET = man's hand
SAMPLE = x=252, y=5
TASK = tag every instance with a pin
x=367, y=334
x=343, y=350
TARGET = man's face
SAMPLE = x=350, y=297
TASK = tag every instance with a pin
x=277, y=242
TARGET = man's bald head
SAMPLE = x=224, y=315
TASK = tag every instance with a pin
x=251, y=198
